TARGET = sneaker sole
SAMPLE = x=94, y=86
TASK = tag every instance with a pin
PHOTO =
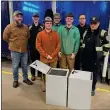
x=27, y=83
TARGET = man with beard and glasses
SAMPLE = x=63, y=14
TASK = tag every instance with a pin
x=16, y=35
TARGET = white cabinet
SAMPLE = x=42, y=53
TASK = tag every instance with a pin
x=79, y=90
x=56, y=83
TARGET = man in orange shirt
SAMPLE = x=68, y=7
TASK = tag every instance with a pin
x=48, y=45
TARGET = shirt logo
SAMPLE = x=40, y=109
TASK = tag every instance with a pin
x=93, y=18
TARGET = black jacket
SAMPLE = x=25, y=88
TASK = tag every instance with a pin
x=34, y=30
x=82, y=29
x=91, y=41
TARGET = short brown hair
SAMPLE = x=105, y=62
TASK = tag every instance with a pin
x=81, y=15
x=69, y=15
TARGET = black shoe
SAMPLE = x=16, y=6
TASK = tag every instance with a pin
x=43, y=87
x=39, y=78
x=92, y=93
x=33, y=78
x=43, y=90
x=28, y=82
x=15, y=84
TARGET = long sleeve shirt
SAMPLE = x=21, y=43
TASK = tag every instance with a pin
x=48, y=44
x=16, y=37
x=55, y=27
x=70, y=39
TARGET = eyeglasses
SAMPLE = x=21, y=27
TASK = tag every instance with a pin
x=93, y=23
x=56, y=18
x=82, y=18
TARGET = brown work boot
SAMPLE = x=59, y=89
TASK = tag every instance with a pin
x=28, y=82
x=15, y=84
x=43, y=87
x=39, y=78
x=33, y=78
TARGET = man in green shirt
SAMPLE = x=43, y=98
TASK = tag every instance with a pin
x=57, y=24
x=70, y=41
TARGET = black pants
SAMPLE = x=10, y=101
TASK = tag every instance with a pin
x=92, y=68
x=34, y=55
x=77, y=61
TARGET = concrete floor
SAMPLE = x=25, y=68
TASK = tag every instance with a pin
x=32, y=98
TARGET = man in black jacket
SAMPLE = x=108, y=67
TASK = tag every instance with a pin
x=93, y=40
x=82, y=27
x=35, y=28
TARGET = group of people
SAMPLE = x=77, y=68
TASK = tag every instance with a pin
x=63, y=46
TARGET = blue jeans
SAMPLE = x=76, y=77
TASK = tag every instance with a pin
x=16, y=58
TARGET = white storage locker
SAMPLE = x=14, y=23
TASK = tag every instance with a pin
x=56, y=83
x=79, y=90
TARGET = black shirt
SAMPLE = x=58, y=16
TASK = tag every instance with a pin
x=34, y=30
x=89, y=54
x=82, y=30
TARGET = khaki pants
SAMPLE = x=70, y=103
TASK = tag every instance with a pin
x=53, y=65
x=67, y=62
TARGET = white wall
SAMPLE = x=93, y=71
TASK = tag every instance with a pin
x=54, y=6
x=11, y=10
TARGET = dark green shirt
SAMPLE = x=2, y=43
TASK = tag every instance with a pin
x=55, y=27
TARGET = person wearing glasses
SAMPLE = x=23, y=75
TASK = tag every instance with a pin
x=93, y=43
x=82, y=26
x=55, y=27
x=56, y=24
